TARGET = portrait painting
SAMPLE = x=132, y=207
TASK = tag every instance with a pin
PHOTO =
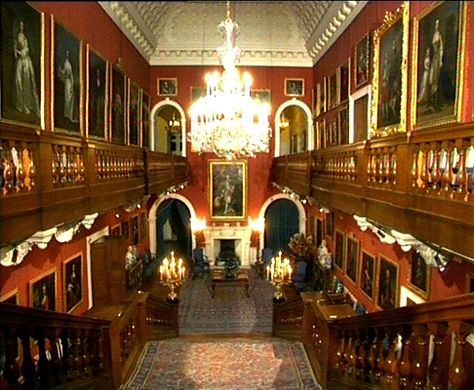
x=437, y=74
x=125, y=229
x=367, y=274
x=388, y=288
x=96, y=94
x=343, y=126
x=321, y=97
x=73, y=290
x=133, y=113
x=67, y=80
x=167, y=86
x=319, y=234
x=117, y=107
x=321, y=134
x=339, y=249
x=294, y=87
x=333, y=90
x=11, y=298
x=261, y=95
x=390, y=74
x=196, y=93
x=344, y=82
x=362, y=62
x=135, y=232
x=351, y=258
x=22, y=69
x=42, y=291
x=419, y=275
x=332, y=133
x=145, y=120
x=228, y=190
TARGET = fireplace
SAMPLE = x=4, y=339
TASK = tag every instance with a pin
x=227, y=252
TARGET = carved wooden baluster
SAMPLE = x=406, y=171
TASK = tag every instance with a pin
x=12, y=370
x=361, y=356
x=94, y=351
x=435, y=175
x=469, y=173
x=372, y=357
x=437, y=371
x=405, y=362
x=340, y=354
x=52, y=334
x=461, y=174
x=346, y=354
x=8, y=172
x=444, y=166
x=28, y=370
x=77, y=352
x=369, y=168
x=352, y=356
x=391, y=363
x=458, y=372
x=44, y=358
x=382, y=352
x=68, y=353
x=420, y=356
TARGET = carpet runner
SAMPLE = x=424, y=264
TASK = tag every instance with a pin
x=223, y=364
x=229, y=312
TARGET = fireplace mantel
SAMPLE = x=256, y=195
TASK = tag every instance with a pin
x=241, y=235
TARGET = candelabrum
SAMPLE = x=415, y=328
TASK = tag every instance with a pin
x=172, y=274
x=279, y=273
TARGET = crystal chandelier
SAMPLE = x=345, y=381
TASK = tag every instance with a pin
x=227, y=121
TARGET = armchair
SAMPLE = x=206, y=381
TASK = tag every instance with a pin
x=200, y=262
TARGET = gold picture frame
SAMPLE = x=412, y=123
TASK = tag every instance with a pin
x=390, y=79
x=351, y=258
x=73, y=290
x=167, y=86
x=420, y=276
x=361, y=68
x=367, y=274
x=12, y=297
x=388, y=284
x=321, y=94
x=228, y=190
x=439, y=33
x=262, y=95
x=134, y=100
x=339, y=249
x=43, y=291
x=334, y=90
x=294, y=87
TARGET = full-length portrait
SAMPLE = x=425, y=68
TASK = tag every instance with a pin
x=96, y=96
x=43, y=291
x=67, y=89
x=72, y=282
x=133, y=113
x=117, y=106
x=22, y=31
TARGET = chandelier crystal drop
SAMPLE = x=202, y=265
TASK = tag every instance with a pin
x=228, y=121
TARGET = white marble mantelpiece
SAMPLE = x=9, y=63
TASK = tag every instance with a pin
x=241, y=235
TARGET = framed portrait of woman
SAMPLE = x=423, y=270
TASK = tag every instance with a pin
x=294, y=87
x=134, y=101
x=96, y=95
x=437, y=88
x=72, y=283
x=228, y=190
x=388, y=284
x=334, y=90
x=420, y=276
x=351, y=255
x=117, y=106
x=390, y=80
x=367, y=274
x=362, y=62
x=22, y=54
x=339, y=249
x=66, y=72
x=321, y=94
x=42, y=291
x=344, y=81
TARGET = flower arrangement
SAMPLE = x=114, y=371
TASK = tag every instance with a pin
x=303, y=247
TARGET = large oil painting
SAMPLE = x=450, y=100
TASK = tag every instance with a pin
x=228, y=190
x=73, y=290
x=118, y=112
x=42, y=291
x=21, y=47
x=67, y=80
x=367, y=274
x=96, y=94
x=390, y=74
x=145, y=119
x=362, y=62
x=133, y=113
x=437, y=71
x=420, y=276
x=388, y=289
x=352, y=258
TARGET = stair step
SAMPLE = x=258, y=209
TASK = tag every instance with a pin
x=98, y=382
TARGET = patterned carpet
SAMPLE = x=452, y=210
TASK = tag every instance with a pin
x=230, y=312
x=223, y=364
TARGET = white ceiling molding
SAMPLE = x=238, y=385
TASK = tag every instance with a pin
x=272, y=33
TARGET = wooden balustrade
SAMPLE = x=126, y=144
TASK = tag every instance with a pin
x=161, y=319
x=416, y=347
x=134, y=276
x=44, y=349
x=338, y=165
x=288, y=319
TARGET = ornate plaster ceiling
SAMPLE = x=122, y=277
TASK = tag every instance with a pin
x=272, y=33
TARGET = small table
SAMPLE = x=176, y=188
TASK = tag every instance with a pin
x=218, y=278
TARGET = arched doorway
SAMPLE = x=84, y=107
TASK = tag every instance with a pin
x=281, y=223
x=173, y=229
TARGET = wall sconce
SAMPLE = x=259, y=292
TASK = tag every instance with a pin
x=198, y=224
x=257, y=225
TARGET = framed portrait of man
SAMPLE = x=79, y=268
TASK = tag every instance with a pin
x=339, y=249
x=22, y=69
x=294, y=87
x=334, y=89
x=390, y=79
x=42, y=291
x=420, y=276
x=228, y=190
x=145, y=119
x=167, y=87
x=344, y=81
x=72, y=283
x=362, y=62
x=388, y=284
x=134, y=100
x=96, y=96
x=117, y=106
x=438, y=64
x=367, y=274
x=351, y=258
x=67, y=80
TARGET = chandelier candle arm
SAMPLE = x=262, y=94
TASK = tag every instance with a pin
x=172, y=274
x=279, y=273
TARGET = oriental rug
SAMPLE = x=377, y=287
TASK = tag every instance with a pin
x=223, y=364
x=229, y=312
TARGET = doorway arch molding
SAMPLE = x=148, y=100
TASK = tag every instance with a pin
x=273, y=198
x=309, y=129
x=157, y=107
x=152, y=218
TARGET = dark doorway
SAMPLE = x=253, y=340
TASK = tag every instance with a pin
x=281, y=223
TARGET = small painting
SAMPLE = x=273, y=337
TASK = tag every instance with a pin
x=167, y=87
x=67, y=80
x=11, y=298
x=196, y=93
x=43, y=291
x=294, y=87
x=339, y=249
x=351, y=258
x=72, y=273
x=387, y=294
x=438, y=69
x=261, y=95
x=344, y=82
x=390, y=74
x=362, y=62
x=321, y=96
x=145, y=120
x=419, y=275
x=343, y=126
x=228, y=190
x=96, y=94
x=333, y=90
x=321, y=134
x=133, y=113
x=21, y=51
x=367, y=274
x=118, y=111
